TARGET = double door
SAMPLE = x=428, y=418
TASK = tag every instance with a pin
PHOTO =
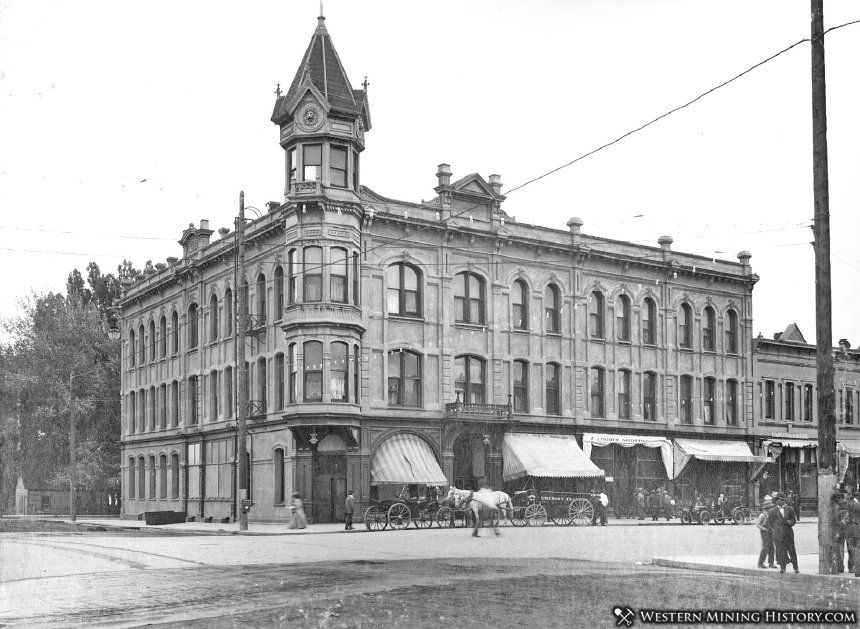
x=329, y=488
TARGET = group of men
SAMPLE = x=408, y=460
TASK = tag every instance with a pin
x=657, y=503
x=848, y=530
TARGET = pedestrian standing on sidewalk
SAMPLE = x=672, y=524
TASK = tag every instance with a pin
x=854, y=529
x=349, y=509
x=782, y=520
x=298, y=509
x=640, y=504
x=794, y=501
x=602, y=503
x=763, y=526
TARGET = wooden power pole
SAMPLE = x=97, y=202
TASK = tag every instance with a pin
x=241, y=331
x=827, y=476
x=73, y=465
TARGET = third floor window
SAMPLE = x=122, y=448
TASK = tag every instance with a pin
x=312, y=274
x=468, y=298
x=404, y=296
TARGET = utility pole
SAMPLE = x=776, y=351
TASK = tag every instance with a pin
x=827, y=476
x=73, y=474
x=241, y=330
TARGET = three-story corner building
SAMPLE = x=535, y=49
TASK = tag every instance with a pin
x=394, y=343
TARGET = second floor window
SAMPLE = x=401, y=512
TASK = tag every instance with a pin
x=292, y=271
x=339, y=370
x=404, y=379
x=807, y=402
x=710, y=400
x=312, y=274
x=849, y=406
x=685, y=326
x=732, y=332
x=520, y=304
x=521, y=386
x=649, y=396
x=709, y=330
x=174, y=331
x=623, y=394
x=262, y=306
x=622, y=318
x=151, y=340
x=213, y=318
x=313, y=371
x=553, y=389
x=294, y=366
x=769, y=399
x=141, y=346
x=279, y=377
x=686, y=411
x=468, y=298
x=311, y=162
x=337, y=166
x=552, y=307
x=132, y=353
x=292, y=164
x=193, y=332
x=162, y=340
x=469, y=378
x=595, y=315
x=732, y=402
x=596, y=387
x=279, y=293
x=403, y=294
x=789, y=401
x=649, y=318
x=193, y=409
x=338, y=275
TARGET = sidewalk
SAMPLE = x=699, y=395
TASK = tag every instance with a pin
x=214, y=528
x=746, y=564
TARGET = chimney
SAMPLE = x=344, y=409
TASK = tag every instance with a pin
x=444, y=175
x=665, y=243
x=223, y=231
x=744, y=259
x=204, y=223
x=575, y=226
x=272, y=206
x=203, y=234
x=496, y=184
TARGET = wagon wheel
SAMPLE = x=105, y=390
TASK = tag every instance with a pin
x=560, y=515
x=399, y=516
x=581, y=511
x=518, y=516
x=705, y=516
x=686, y=518
x=536, y=515
x=424, y=519
x=445, y=517
x=374, y=519
x=738, y=515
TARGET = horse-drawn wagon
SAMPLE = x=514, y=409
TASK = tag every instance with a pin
x=400, y=512
x=534, y=508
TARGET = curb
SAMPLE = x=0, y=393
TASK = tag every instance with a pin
x=689, y=565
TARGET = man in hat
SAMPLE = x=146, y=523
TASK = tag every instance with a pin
x=766, y=534
x=853, y=529
x=782, y=520
x=640, y=504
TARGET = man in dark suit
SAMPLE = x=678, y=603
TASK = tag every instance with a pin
x=853, y=528
x=782, y=520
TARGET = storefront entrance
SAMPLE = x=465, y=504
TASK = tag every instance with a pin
x=329, y=480
x=630, y=468
x=470, y=468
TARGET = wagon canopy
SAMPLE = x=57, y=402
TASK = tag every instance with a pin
x=551, y=456
x=406, y=460
x=714, y=450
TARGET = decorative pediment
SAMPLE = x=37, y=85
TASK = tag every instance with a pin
x=474, y=185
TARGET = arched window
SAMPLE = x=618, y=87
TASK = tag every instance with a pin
x=279, y=293
x=710, y=400
x=151, y=340
x=292, y=273
x=294, y=367
x=597, y=390
x=131, y=478
x=469, y=378
x=649, y=318
x=685, y=326
x=624, y=394
x=162, y=341
x=162, y=474
x=174, y=476
x=468, y=298
x=732, y=332
x=404, y=378
x=214, y=390
x=279, y=476
x=193, y=332
x=520, y=304
x=174, y=330
x=213, y=318
x=709, y=329
x=174, y=420
x=312, y=271
x=732, y=402
x=338, y=272
x=338, y=371
x=622, y=318
x=228, y=313
x=152, y=472
x=553, y=389
x=521, y=386
x=262, y=309
x=141, y=345
x=132, y=352
x=649, y=396
x=192, y=400
x=279, y=381
x=131, y=413
x=552, y=306
x=162, y=410
x=404, y=296
x=313, y=371
x=595, y=315
x=262, y=385
x=687, y=399
x=356, y=289
x=141, y=478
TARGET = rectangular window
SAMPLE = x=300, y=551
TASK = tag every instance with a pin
x=192, y=399
x=732, y=402
x=337, y=166
x=807, y=402
x=769, y=399
x=312, y=274
x=313, y=371
x=294, y=365
x=174, y=476
x=279, y=374
x=228, y=392
x=521, y=387
x=710, y=400
x=339, y=367
x=213, y=396
x=649, y=397
x=174, y=420
x=624, y=395
x=338, y=275
x=597, y=387
x=291, y=165
x=355, y=179
x=311, y=162
x=553, y=393
x=686, y=399
x=789, y=401
x=849, y=406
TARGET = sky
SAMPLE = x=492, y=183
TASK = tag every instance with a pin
x=123, y=122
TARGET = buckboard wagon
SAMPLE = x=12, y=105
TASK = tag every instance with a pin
x=559, y=507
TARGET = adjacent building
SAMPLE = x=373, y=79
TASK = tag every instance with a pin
x=398, y=344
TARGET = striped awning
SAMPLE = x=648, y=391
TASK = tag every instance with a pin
x=714, y=450
x=406, y=459
x=551, y=456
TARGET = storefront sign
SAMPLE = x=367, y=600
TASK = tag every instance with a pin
x=610, y=479
x=789, y=435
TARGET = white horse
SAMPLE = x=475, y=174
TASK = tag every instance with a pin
x=495, y=500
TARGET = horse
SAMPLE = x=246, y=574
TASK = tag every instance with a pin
x=495, y=500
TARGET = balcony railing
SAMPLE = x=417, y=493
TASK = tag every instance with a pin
x=471, y=410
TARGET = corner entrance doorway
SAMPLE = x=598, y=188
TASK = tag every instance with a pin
x=329, y=485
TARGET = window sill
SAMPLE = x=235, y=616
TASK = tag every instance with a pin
x=470, y=326
x=713, y=352
x=405, y=317
x=685, y=348
x=597, y=339
x=191, y=350
x=279, y=504
x=420, y=406
x=520, y=330
x=624, y=342
x=553, y=334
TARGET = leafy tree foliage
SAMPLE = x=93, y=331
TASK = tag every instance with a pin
x=58, y=355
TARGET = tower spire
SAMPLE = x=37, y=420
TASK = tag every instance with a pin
x=321, y=17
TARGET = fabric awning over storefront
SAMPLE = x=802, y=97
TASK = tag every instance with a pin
x=406, y=460
x=714, y=450
x=774, y=447
x=552, y=456
x=591, y=439
x=851, y=446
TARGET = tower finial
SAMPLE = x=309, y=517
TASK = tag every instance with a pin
x=321, y=17
x=278, y=90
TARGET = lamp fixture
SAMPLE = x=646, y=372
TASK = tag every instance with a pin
x=313, y=438
x=486, y=440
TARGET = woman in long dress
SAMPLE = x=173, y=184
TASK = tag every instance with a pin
x=299, y=519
